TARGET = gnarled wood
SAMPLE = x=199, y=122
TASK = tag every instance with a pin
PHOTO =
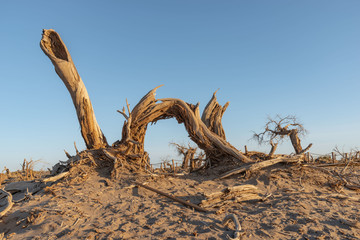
x=212, y=116
x=151, y=110
x=55, y=49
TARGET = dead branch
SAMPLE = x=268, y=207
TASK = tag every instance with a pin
x=9, y=203
x=188, y=204
x=234, y=219
x=55, y=178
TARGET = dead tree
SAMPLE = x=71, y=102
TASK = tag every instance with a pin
x=276, y=130
x=207, y=132
x=55, y=49
x=190, y=158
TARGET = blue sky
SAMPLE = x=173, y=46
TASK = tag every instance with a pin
x=267, y=57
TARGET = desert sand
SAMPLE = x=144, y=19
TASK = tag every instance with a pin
x=296, y=202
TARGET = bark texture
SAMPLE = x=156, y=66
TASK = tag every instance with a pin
x=55, y=49
x=212, y=116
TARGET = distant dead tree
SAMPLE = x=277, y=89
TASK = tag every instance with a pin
x=190, y=158
x=206, y=130
x=277, y=129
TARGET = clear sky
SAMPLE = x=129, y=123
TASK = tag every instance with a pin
x=267, y=57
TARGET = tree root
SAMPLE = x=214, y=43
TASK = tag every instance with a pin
x=232, y=217
x=9, y=203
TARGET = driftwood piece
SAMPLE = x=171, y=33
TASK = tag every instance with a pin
x=231, y=195
x=56, y=50
x=55, y=178
x=234, y=219
x=9, y=203
x=259, y=165
x=186, y=203
x=353, y=223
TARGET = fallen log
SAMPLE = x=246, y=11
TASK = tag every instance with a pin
x=230, y=195
x=260, y=165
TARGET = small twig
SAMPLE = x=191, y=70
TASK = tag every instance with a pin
x=123, y=113
x=77, y=151
x=26, y=197
x=343, y=171
x=232, y=217
x=67, y=154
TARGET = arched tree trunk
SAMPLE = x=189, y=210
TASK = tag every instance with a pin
x=151, y=110
x=55, y=49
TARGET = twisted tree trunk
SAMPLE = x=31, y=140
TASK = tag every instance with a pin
x=55, y=49
x=151, y=110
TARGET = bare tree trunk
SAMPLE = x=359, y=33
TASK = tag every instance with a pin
x=273, y=149
x=295, y=141
x=55, y=49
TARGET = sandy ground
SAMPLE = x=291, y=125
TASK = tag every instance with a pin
x=299, y=203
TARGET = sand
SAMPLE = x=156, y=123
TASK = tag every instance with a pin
x=297, y=203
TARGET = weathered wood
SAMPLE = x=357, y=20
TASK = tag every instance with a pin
x=259, y=165
x=151, y=110
x=232, y=217
x=212, y=116
x=55, y=178
x=231, y=195
x=273, y=149
x=9, y=203
x=56, y=50
x=188, y=204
